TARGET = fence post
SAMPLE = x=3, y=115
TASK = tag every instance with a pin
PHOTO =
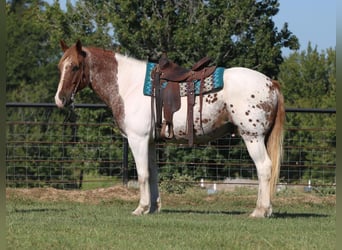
x=125, y=162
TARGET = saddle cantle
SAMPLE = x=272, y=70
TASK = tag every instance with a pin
x=167, y=77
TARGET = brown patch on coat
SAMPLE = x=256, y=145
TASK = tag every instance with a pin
x=269, y=111
x=104, y=68
x=204, y=121
x=223, y=117
x=211, y=98
x=181, y=133
x=266, y=106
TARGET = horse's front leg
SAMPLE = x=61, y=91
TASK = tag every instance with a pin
x=139, y=147
x=153, y=180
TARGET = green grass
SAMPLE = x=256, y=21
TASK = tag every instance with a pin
x=91, y=181
x=190, y=221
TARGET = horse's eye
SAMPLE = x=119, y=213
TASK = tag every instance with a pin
x=75, y=68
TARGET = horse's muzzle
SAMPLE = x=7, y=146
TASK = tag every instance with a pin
x=62, y=101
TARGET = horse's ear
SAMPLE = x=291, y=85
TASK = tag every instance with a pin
x=63, y=45
x=79, y=46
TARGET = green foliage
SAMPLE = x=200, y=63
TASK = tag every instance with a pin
x=324, y=191
x=233, y=32
x=26, y=146
x=47, y=149
x=308, y=80
x=197, y=162
x=176, y=184
x=30, y=58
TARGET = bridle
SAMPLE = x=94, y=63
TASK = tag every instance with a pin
x=72, y=98
x=80, y=76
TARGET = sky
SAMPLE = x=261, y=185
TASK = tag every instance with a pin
x=310, y=20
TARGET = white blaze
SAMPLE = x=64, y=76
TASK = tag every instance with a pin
x=58, y=101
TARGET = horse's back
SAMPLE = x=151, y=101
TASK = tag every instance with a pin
x=239, y=80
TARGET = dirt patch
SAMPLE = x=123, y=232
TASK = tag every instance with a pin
x=306, y=198
x=119, y=192
x=94, y=196
x=232, y=184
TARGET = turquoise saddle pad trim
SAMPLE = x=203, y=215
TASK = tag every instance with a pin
x=217, y=78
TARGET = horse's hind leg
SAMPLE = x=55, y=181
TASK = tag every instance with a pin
x=257, y=151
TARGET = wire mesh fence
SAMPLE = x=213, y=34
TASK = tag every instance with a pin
x=72, y=148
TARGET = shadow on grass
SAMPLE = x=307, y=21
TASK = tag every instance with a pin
x=278, y=215
x=191, y=211
x=38, y=210
x=286, y=215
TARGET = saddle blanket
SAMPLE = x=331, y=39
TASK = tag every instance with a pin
x=211, y=83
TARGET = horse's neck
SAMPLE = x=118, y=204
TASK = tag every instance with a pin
x=114, y=73
x=102, y=72
x=131, y=74
x=113, y=77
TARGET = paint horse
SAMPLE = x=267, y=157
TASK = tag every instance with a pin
x=249, y=100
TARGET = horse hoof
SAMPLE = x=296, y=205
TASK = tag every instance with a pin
x=136, y=212
x=140, y=211
x=156, y=207
x=261, y=213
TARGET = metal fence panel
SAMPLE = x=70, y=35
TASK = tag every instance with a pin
x=51, y=147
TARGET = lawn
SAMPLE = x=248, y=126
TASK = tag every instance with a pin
x=101, y=219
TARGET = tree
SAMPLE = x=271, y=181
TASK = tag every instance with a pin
x=33, y=30
x=30, y=74
x=309, y=74
x=232, y=32
x=308, y=80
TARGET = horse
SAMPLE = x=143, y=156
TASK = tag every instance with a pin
x=249, y=100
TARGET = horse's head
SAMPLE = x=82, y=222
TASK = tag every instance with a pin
x=74, y=74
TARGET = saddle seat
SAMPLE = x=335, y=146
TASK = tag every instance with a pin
x=171, y=71
x=167, y=96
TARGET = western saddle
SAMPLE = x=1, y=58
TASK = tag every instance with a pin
x=167, y=77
